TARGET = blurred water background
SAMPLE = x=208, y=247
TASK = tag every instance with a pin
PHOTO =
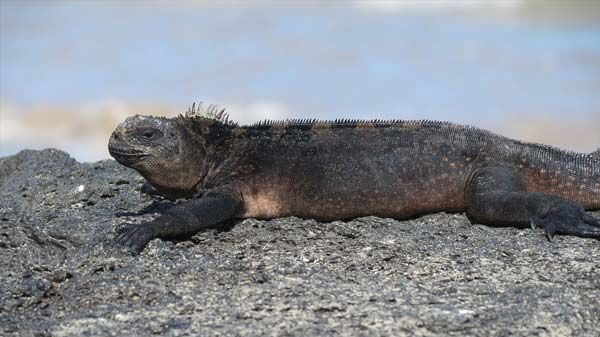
x=70, y=71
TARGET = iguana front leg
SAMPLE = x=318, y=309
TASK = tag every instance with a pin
x=497, y=196
x=183, y=220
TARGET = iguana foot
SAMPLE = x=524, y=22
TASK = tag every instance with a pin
x=568, y=219
x=134, y=236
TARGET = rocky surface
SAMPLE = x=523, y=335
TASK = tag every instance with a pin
x=437, y=275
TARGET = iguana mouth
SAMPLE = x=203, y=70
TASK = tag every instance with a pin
x=125, y=153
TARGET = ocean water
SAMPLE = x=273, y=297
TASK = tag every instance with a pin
x=70, y=71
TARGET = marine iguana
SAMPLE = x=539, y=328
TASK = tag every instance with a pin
x=344, y=169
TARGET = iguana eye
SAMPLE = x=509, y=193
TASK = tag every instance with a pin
x=150, y=134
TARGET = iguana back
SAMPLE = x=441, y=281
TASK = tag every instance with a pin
x=342, y=170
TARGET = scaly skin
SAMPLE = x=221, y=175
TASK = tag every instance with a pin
x=347, y=169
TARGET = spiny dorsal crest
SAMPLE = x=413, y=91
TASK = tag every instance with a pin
x=211, y=111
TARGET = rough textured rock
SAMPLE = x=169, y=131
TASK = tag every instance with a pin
x=436, y=275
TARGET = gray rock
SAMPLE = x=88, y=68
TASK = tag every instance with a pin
x=437, y=275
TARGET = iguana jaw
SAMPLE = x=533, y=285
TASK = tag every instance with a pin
x=125, y=155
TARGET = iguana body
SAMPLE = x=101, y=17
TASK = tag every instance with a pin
x=347, y=169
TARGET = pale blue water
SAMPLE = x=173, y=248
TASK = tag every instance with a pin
x=320, y=61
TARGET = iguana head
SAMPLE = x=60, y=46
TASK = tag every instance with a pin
x=171, y=153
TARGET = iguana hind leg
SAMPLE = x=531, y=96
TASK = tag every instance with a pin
x=497, y=196
x=181, y=221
